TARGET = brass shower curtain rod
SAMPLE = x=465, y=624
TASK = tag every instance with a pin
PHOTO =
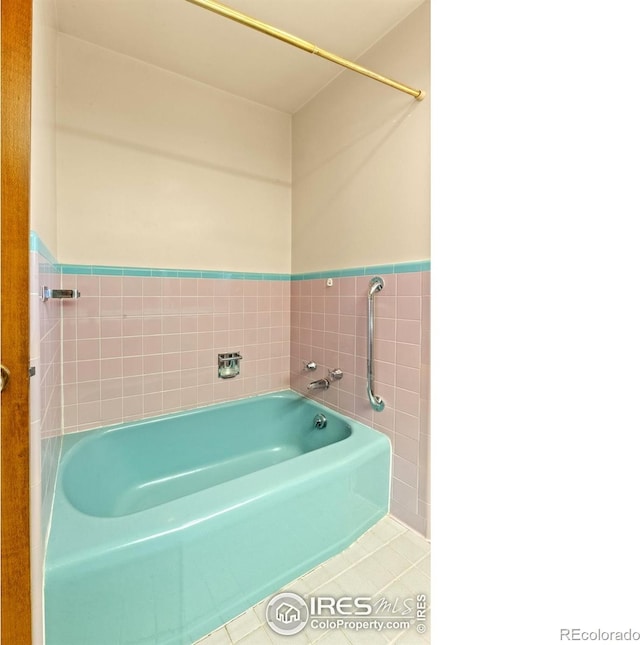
x=263, y=27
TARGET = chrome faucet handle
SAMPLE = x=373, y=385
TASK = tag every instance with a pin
x=311, y=366
x=336, y=375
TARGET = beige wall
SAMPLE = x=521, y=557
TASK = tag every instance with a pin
x=43, y=117
x=361, y=161
x=158, y=170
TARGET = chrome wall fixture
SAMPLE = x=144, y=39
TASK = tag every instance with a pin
x=58, y=294
x=376, y=284
x=320, y=384
x=324, y=383
x=229, y=364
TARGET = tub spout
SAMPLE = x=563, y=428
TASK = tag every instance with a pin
x=320, y=384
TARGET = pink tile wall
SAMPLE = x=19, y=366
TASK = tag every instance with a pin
x=329, y=326
x=135, y=347
x=46, y=383
x=50, y=355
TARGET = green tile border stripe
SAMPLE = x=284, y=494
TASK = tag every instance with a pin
x=92, y=269
x=403, y=267
x=88, y=269
x=36, y=244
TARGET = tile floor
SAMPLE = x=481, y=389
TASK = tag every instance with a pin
x=389, y=561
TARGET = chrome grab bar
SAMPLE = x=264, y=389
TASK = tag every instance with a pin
x=376, y=284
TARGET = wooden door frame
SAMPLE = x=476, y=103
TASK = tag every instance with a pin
x=15, y=142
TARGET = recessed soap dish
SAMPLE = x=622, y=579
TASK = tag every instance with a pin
x=229, y=364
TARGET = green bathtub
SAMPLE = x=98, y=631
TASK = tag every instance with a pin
x=166, y=528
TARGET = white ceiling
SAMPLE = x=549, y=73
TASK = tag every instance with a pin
x=194, y=42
